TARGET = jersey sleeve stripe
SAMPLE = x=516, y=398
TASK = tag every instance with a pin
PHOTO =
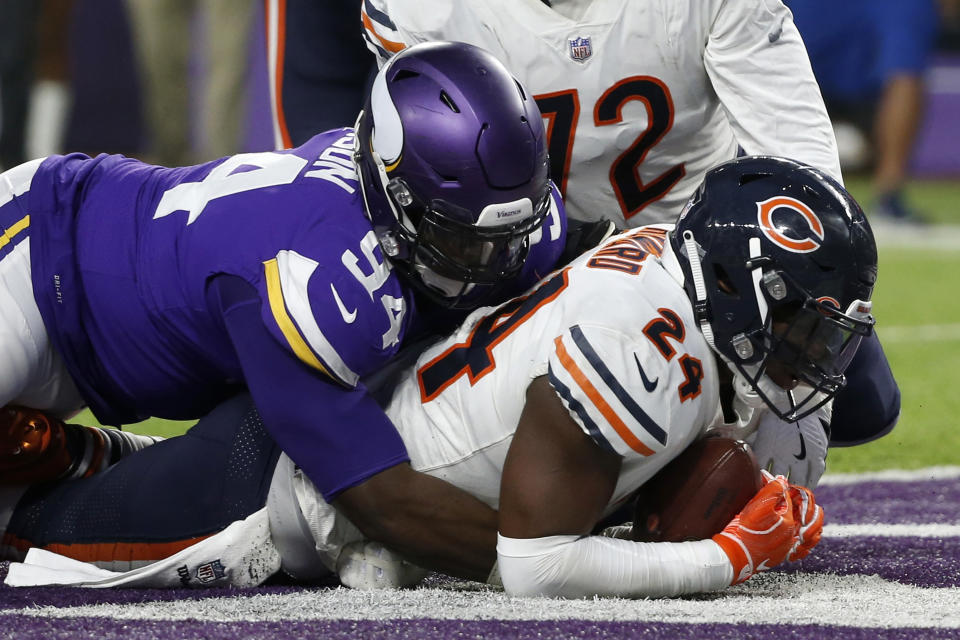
x=286, y=324
x=592, y=429
x=13, y=230
x=284, y=293
x=641, y=416
x=598, y=401
x=382, y=54
x=375, y=14
x=393, y=46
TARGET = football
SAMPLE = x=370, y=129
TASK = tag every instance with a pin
x=697, y=494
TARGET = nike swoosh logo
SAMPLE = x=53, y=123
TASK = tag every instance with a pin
x=649, y=386
x=348, y=316
x=803, y=447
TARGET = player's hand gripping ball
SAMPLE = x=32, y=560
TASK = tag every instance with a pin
x=697, y=493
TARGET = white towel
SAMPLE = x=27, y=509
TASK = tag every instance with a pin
x=242, y=555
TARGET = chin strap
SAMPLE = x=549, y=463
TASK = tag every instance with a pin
x=699, y=287
x=757, y=275
x=748, y=404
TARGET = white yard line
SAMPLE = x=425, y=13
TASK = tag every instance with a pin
x=893, y=475
x=897, y=235
x=920, y=333
x=891, y=530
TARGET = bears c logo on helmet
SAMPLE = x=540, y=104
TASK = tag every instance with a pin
x=810, y=238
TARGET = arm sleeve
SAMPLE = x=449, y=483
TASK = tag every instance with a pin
x=338, y=436
x=868, y=407
x=579, y=567
x=759, y=68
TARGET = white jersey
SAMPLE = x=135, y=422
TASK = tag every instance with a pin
x=640, y=97
x=615, y=335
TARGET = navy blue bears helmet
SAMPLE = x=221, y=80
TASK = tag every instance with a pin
x=780, y=264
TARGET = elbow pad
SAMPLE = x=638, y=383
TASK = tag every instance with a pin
x=580, y=567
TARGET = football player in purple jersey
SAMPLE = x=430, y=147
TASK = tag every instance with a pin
x=141, y=291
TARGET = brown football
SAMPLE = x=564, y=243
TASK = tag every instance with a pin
x=697, y=493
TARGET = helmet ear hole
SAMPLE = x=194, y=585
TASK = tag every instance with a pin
x=404, y=74
x=447, y=100
x=747, y=178
x=724, y=281
x=523, y=94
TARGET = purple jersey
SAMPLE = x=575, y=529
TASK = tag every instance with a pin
x=123, y=258
x=123, y=251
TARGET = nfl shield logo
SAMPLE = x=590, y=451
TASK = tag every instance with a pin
x=580, y=49
x=210, y=571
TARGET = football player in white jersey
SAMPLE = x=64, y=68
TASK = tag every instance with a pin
x=641, y=98
x=555, y=406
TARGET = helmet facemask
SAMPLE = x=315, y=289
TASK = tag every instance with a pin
x=793, y=359
x=804, y=348
x=449, y=255
x=445, y=258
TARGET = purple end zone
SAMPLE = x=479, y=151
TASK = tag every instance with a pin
x=901, y=559
x=29, y=628
x=921, y=502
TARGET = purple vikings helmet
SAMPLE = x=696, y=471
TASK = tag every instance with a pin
x=780, y=263
x=452, y=158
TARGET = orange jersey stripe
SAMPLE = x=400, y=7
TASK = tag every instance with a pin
x=389, y=45
x=109, y=551
x=618, y=425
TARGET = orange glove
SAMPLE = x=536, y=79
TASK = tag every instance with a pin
x=763, y=533
x=809, y=515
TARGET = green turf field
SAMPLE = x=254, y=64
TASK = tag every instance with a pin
x=917, y=304
x=918, y=315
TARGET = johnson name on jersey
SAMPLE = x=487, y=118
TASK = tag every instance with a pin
x=640, y=97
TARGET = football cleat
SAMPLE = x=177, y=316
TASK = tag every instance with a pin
x=35, y=447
